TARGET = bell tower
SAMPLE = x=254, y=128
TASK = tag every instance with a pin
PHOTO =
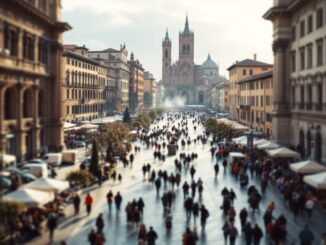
x=166, y=58
x=186, y=44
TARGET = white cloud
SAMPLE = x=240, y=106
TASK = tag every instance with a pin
x=229, y=29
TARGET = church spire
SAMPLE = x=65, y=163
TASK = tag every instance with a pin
x=167, y=39
x=186, y=30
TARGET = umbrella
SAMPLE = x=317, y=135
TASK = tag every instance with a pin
x=283, y=152
x=316, y=180
x=31, y=198
x=268, y=146
x=68, y=125
x=307, y=167
x=50, y=185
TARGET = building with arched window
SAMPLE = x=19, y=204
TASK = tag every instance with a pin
x=31, y=115
x=184, y=78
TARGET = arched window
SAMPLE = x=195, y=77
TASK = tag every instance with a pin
x=166, y=54
x=184, y=49
x=188, y=49
x=9, y=104
x=318, y=150
x=42, y=103
x=67, y=78
x=27, y=105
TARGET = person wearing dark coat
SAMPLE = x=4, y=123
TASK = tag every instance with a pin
x=243, y=217
x=99, y=223
x=247, y=230
x=257, y=234
x=151, y=236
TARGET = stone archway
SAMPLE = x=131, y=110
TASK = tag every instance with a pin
x=201, y=98
x=185, y=96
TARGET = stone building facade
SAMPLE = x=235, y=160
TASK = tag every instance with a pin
x=31, y=77
x=299, y=45
x=136, y=85
x=256, y=95
x=220, y=97
x=86, y=80
x=240, y=70
x=149, y=90
x=117, y=60
x=184, y=78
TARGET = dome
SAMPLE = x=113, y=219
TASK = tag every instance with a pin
x=209, y=63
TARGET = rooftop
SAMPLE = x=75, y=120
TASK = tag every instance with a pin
x=249, y=63
x=257, y=77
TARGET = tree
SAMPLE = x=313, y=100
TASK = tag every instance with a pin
x=126, y=116
x=80, y=177
x=94, y=166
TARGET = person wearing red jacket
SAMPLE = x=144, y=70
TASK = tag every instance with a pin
x=88, y=203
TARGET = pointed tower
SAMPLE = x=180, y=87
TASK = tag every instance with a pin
x=186, y=44
x=166, y=58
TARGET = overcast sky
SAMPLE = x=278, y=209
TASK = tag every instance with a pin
x=229, y=30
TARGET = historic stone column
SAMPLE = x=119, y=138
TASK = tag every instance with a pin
x=35, y=128
x=20, y=131
x=20, y=44
x=281, y=93
x=2, y=34
x=36, y=50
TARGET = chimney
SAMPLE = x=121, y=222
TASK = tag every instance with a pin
x=255, y=57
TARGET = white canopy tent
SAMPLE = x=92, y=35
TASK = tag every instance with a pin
x=307, y=167
x=261, y=142
x=268, y=146
x=31, y=198
x=234, y=124
x=240, y=140
x=317, y=181
x=283, y=152
x=89, y=126
x=8, y=160
x=49, y=185
x=233, y=155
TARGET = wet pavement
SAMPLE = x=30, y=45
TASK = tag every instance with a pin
x=75, y=229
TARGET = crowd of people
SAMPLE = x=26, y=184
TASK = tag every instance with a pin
x=257, y=225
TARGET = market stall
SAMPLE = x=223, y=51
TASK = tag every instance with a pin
x=48, y=185
x=307, y=167
x=283, y=152
x=31, y=198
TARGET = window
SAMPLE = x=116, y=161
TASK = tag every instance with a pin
x=43, y=4
x=68, y=111
x=43, y=52
x=68, y=61
x=244, y=72
x=302, y=28
x=166, y=54
x=309, y=54
x=319, y=18
x=310, y=24
x=320, y=52
x=268, y=100
x=293, y=96
x=11, y=40
x=261, y=84
x=294, y=33
x=293, y=63
x=268, y=117
x=251, y=72
x=302, y=97
x=302, y=58
x=309, y=105
x=28, y=47
x=261, y=100
x=319, y=97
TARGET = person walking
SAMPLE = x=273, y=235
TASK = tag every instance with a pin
x=88, y=203
x=204, y=214
x=92, y=237
x=306, y=236
x=185, y=188
x=243, y=217
x=52, y=224
x=216, y=169
x=100, y=223
x=118, y=201
x=158, y=185
x=309, y=205
x=233, y=234
x=151, y=236
x=226, y=231
x=76, y=201
x=247, y=230
x=109, y=198
x=257, y=234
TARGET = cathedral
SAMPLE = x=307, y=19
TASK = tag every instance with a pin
x=184, y=78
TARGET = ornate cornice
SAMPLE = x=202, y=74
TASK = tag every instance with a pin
x=280, y=44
